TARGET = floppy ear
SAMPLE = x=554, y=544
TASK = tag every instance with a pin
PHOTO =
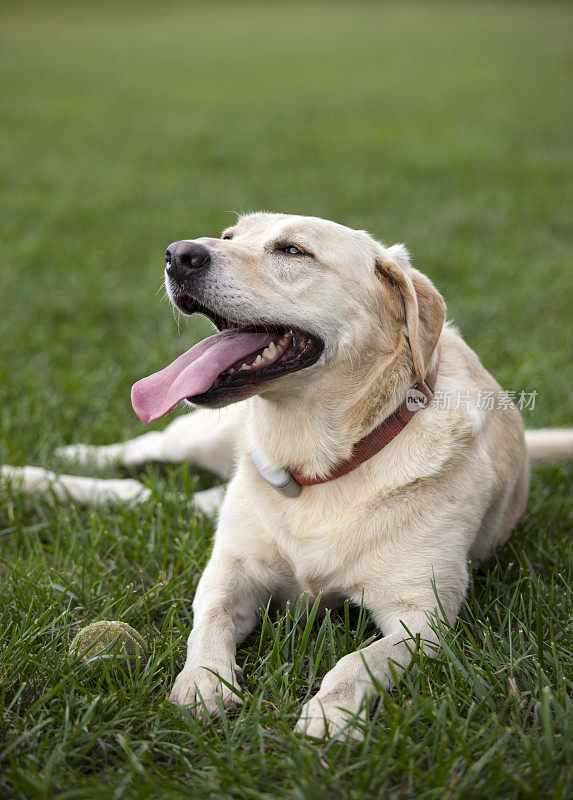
x=424, y=306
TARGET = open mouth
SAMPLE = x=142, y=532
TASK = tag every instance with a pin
x=229, y=366
x=288, y=349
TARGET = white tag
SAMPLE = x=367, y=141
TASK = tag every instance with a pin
x=279, y=479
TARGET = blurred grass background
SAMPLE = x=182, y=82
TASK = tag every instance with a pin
x=128, y=125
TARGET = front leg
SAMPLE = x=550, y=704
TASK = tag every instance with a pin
x=346, y=689
x=239, y=578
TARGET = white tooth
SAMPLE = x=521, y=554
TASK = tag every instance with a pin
x=270, y=351
x=284, y=341
x=258, y=361
x=230, y=371
x=244, y=366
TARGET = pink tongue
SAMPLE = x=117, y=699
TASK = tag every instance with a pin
x=192, y=373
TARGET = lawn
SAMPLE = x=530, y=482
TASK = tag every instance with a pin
x=126, y=126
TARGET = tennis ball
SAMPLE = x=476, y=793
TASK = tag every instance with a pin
x=105, y=638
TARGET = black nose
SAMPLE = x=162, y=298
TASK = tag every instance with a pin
x=183, y=258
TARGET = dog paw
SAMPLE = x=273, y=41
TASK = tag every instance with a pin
x=209, y=500
x=75, y=453
x=90, y=455
x=200, y=687
x=330, y=716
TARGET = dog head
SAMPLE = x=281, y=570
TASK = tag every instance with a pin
x=292, y=297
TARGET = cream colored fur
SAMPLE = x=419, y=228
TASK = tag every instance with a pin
x=395, y=533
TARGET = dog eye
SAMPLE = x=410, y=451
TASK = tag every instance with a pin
x=226, y=236
x=291, y=250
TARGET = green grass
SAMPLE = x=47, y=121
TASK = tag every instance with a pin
x=126, y=126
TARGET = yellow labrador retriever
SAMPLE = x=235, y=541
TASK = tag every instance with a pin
x=350, y=479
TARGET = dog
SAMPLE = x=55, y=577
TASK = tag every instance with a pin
x=349, y=480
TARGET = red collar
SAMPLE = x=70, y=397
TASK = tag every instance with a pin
x=418, y=397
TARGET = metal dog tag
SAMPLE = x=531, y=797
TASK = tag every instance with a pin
x=279, y=479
